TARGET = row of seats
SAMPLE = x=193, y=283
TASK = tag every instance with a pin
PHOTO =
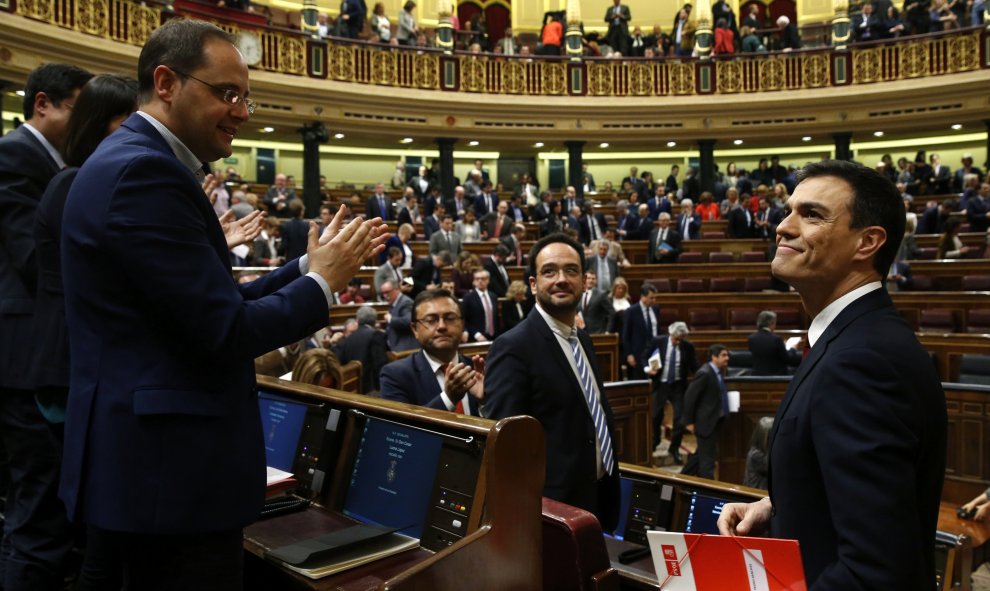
x=941, y=320
x=751, y=256
x=718, y=284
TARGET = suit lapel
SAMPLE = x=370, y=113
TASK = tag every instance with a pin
x=427, y=379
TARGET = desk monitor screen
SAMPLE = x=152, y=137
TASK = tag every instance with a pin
x=643, y=505
x=703, y=512
x=394, y=471
x=297, y=439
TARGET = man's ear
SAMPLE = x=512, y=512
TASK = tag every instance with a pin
x=870, y=241
x=42, y=103
x=166, y=83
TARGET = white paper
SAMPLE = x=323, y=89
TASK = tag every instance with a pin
x=654, y=361
x=792, y=342
x=756, y=572
x=733, y=400
x=241, y=250
x=274, y=475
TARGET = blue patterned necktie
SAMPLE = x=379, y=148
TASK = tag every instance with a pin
x=597, y=413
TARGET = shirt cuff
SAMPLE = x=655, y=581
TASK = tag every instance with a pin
x=324, y=286
x=304, y=264
x=446, y=401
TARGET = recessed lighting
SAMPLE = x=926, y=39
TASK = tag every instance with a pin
x=19, y=93
x=338, y=136
x=473, y=143
x=878, y=133
x=806, y=138
x=671, y=144
x=737, y=142
x=538, y=145
x=603, y=145
x=407, y=140
x=957, y=126
x=267, y=129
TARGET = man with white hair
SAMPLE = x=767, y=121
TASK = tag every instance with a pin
x=789, y=39
x=670, y=359
x=688, y=223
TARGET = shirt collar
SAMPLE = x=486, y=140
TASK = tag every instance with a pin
x=47, y=145
x=559, y=328
x=434, y=362
x=831, y=311
x=180, y=150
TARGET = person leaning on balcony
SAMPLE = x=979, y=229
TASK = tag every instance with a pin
x=789, y=39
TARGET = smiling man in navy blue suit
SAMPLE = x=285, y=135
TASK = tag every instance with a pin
x=436, y=376
x=857, y=451
x=164, y=455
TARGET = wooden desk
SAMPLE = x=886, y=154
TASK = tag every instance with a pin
x=972, y=551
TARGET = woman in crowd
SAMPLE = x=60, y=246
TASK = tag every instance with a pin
x=463, y=272
x=619, y=294
x=553, y=223
x=379, y=23
x=514, y=308
x=315, y=366
x=731, y=175
x=780, y=195
x=406, y=34
x=949, y=244
x=724, y=39
x=479, y=26
x=468, y=226
x=757, y=466
x=707, y=208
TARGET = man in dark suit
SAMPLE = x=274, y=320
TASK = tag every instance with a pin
x=899, y=276
x=940, y=181
x=295, y=231
x=591, y=226
x=398, y=319
x=487, y=202
x=605, y=268
x=688, y=223
x=495, y=265
x=546, y=368
x=676, y=361
x=514, y=243
x=420, y=184
x=933, y=219
x=639, y=326
x=595, y=309
x=446, y=238
x=379, y=205
x=278, y=196
x=706, y=406
x=456, y=205
x=542, y=210
x=659, y=203
x=367, y=345
x=352, y=15
x=868, y=26
x=497, y=224
x=431, y=222
x=978, y=209
x=480, y=309
x=617, y=17
x=147, y=285
x=771, y=357
x=665, y=242
x=857, y=451
x=436, y=377
x=36, y=534
x=426, y=271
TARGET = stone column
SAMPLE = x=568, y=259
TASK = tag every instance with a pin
x=706, y=174
x=446, y=147
x=842, y=150
x=313, y=134
x=575, y=156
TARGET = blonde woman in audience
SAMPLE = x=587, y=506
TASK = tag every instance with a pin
x=405, y=234
x=468, y=227
x=780, y=195
x=514, y=308
x=380, y=24
x=314, y=366
x=619, y=294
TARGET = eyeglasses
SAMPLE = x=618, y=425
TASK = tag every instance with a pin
x=551, y=272
x=229, y=96
x=433, y=319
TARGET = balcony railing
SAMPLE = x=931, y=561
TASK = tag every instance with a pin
x=291, y=52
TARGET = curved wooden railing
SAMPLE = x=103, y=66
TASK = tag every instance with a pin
x=291, y=52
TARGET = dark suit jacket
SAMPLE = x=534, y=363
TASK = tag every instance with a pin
x=373, y=209
x=770, y=355
x=591, y=266
x=656, y=209
x=295, y=238
x=25, y=169
x=527, y=373
x=688, y=356
x=976, y=214
x=481, y=208
x=694, y=226
x=738, y=227
x=366, y=345
x=598, y=315
x=510, y=314
x=474, y=314
x=423, y=273
x=584, y=227
x=635, y=334
x=857, y=454
x=162, y=384
x=430, y=225
x=410, y=380
x=673, y=239
x=873, y=30
x=399, y=333
x=488, y=226
x=703, y=402
x=496, y=284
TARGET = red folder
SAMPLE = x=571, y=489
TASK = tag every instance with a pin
x=700, y=562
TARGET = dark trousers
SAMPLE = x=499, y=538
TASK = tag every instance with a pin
x=174, y=562
x=36, y=536
x=702, y=462
x=662, y=392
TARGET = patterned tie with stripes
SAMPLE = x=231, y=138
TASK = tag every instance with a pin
x=597, y=413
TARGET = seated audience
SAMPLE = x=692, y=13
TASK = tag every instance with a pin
x=664, y=242
x=480, y=306
x=436, y=376
x=367, y=345
x=515, y=307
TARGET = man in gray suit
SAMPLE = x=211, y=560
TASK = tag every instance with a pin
x=617, y=17
x=603, y=266
x=446, y=238
x=595, y=308
x=398, y=319
x=390, y=270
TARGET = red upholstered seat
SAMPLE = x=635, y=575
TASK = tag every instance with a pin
x=788, y=319
x=921, y=283
x=712, y=235
x=704, y=320
x=756, y=283
x=662, y=284
x=691, y=257
x=978, y=322
x=976, y=282
x=724, y=284
x=927, y=253
x=721, y=257
x=742, y=318
x=937, y=320
x=690, y=285
x=753, y=256
x=574, y=553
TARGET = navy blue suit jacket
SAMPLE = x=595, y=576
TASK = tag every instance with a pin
x=474, y=314
x=410, y=380
x=635, y=334
x=163, y=433
x=373, y=210
x=25, y=169
x=694, y=226
x=857, y=454
x=526, y=373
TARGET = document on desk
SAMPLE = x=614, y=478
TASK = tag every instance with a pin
x=700, y=562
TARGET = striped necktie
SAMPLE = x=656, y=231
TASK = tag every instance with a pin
x=594, y=406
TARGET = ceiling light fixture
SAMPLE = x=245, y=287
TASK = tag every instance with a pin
x=878, y=133
x=806, y=138
x=538, y=145
x=603, y=145
x=267, y=129
x=473, y=143
x=957, y=126
x=407, y=140
x=671, y=144
x=338, y=136
x=737, y=142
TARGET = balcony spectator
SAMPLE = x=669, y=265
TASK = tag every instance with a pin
x=379, y=23
x=551, y=37
x=323, y=27
x=351, y=19
x=789, y=39
x=753, y=20
x=617, y=17
x=684, y=28
x=868, y=26
x=508, y=44
x=916, y=16
x=671, y=183
x=637, y=43
x=724, y=38
x=242, y=5
x=941, y=17
x=408, y=28
x=478, y=25
x=966, y=168
x=893, y=23
x=940, y=177
x=749, y=41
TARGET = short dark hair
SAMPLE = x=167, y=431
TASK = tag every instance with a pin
x=179, y=45
x=428, y=295
x=875, y=202
x=502, y=250
x=547, y=241
x=57, y=81
x=647, y=288
x=101, y=100
x=393, y=250
x=716, y=350
x=296, y=208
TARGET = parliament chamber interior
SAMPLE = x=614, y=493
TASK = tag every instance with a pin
x=387, y=495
